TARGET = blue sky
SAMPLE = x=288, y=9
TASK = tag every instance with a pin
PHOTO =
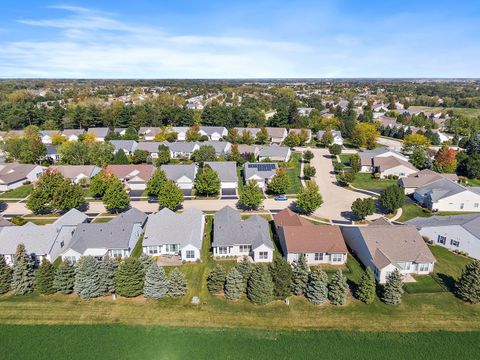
x=239, y=39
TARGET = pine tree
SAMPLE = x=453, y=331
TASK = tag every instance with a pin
x=468, y=285
x=120, y=157
x=317, y=287
x=107, y=268
x=146, y=261
x=23, y=277
x=88, y=283
x=44, y=278
x=234, y=285
x=260, y=285
x=177, y=284
x=216, y=279
x=300, y=275
x=155, y=284
x=281, y=272
x=393, y=290
x=338, y=289
x=366, y=287
x=129, y=277
x=5, y=276
x=64, y=278
x=245, y=268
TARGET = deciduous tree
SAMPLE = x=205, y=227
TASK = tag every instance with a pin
x=251, y=197
x=115, y=198
x=170, y=196
x=309, y=198
x=392, y=198
x=280, y=182
x=207, y=181
x=363, y=207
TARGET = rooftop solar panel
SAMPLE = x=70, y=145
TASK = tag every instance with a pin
x=262, y=167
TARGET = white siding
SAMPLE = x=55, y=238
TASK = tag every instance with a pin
x=470, y=201
x=452, y=234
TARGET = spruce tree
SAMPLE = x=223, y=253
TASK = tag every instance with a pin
x=146, y=261
x=317, y=287
x=281, y=272
x=338, y=289
x=5, y=276
x=23, y=277
x=177, y=284
x=216, y=279
x=260, y=285
x=107, y=268
x=300, y=275
x=88, y=282
x=468, y=285
x=155, y=284
x=245, y=268
x=234, y=285
x=366, y=287
x=64, y=278
x=129, y=277
x=44, y=278
x=393, y=290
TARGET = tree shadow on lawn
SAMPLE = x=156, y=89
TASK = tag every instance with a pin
x=446, y=281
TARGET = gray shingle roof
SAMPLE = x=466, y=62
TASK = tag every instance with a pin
x=128, y=145
x=150, y=146
x=213, y=129
x=230, y=229
x=176, y=171
x=181, y=147
x=99, y=132
x=441, y=189
x=221, y=147
x=258, y=169
x=226, y=170
x=167, y=227
x=14, y=172
x=470, y=222
x=274, y=151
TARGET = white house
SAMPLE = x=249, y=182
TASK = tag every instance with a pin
x=368, y=157
x=172, y=234
x=259, y=172
x=214, y=133
x=421, y=178
x=72, y=134
x=47, y=135
x=13, y=175
x=134, y=176
x=337, y=136
x=183, y=175
x=393, y=166
x=77, y=172
x=227, y=173
x=181, y=132
x=234, y=237
x=100, y=133
x=148, y=133
x=274, y=153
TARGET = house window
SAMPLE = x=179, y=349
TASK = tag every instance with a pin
x=116, y=253
x=152, y=250
x=455, y=243
x=462, y=205
x=222, y=250
x=263, y=255
x=318, y=256
x=171, y=248
x=190, y=254
x=423, y=267
x=475, y=205
x=441, y=239
x=62, y=243
x=71, y=259
x=245, y=248
x=337, y=257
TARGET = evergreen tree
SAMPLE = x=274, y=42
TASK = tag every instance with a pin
x=355, y=163
x=64, y=278
x=338, y=289
x=146, y=261
x=393, y=289
x=281, y=272
x=309, y=198
x=5, y=276
x=177, y=284
x=280, y=182
x=366, y=289
x=216, y=279
x=88, y=283
x=156, y=182
x=44, y=277
x=107, y=268
x=129, y=277
x=120, y=158
x=468, y=285
x=170, y=196
x=23, y=277
x=251, y=197
x=155, y=284
x=234, y=285
x=300, y=275
x=245, y=268
x=115, y=198
x=317, y=287
x=260, y=286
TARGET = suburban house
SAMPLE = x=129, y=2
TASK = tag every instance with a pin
x=304, y=111
x=442, y=136
x=447, y=195
x=148, y=133
x=248, y=150
x=115, y=239
x=276, y=135
x=421, y=178
x=387, y=122
x=321, y=244
x=134, y=176
x=384, y=248
x=393, y=166
x=47, y=135
x=13, y=175
x=120, y=131
x=183, y=175
x=169, y=233
x=181, y=132
x=182, y=150
x=41, y=241
x=214, y=133
x=337, y=136
x=299, y=131
x=52, y=153
x=227, y=173
x=368, y=158
x=274, y=153
x=77, y=172
x=235, y=237
x=253, y=131
x=222, y=148
x=128, y=146
x=457, y=232
x=73, y=134
x=260, y=172
x=150, y=147
x=100, y=133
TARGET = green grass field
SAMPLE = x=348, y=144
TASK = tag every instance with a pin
x=467, y=112
x=367, y=182
x=345, y=158
x=135, y=342
x=294, y=173
x=18, y=193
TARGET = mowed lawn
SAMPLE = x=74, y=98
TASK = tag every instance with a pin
x=294, y=173
x=368, y=182
x=18, y=193
x=137, y=342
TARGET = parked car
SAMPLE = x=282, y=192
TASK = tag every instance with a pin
x=281, y=198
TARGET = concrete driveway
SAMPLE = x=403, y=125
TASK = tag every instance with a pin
x=337, y=200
